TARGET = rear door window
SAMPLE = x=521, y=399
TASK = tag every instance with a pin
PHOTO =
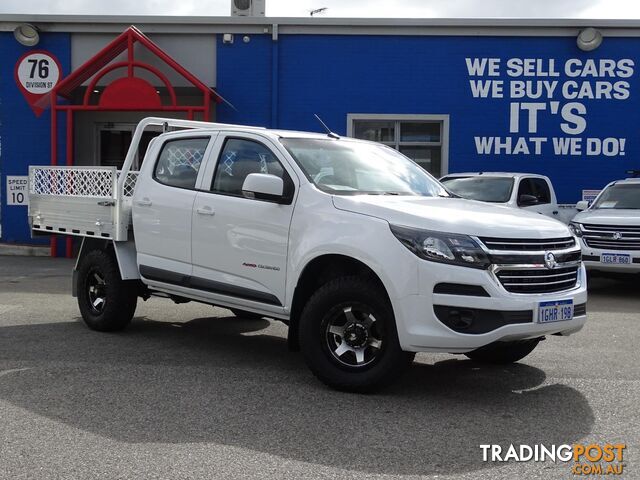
x=179, y=162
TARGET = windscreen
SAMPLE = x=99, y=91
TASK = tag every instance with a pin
x=619, y=197
x=485, y=189
x=343, y=167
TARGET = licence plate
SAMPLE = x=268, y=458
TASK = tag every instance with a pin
x=616, y=258
x=555, y=311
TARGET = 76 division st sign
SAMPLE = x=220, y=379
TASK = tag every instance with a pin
x=36, y=73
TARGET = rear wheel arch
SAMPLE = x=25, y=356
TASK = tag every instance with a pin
x=106, y=301
x=123, y=252
x=88, y=245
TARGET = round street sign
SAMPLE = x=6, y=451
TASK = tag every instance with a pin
x=37, y=73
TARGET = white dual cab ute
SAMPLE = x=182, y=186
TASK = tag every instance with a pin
x=528, y=191
x=364, y=255
x=609, y=229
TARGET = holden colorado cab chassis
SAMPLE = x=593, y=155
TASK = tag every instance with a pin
x=364, y=255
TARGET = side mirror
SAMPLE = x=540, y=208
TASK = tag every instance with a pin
x=526, y=200
x=582, y=205
x=263, y=186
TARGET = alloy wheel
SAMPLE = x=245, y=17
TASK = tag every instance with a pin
x=354, y=337
x=97, y=292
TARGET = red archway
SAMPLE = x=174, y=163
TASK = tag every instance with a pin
x=126, y=93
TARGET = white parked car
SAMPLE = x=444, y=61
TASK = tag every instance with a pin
x=363, y=254
x=609, y=229
x=528, y=191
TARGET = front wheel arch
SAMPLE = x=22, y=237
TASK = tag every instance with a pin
x=314, y=275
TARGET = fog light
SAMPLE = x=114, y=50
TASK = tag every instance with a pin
x=460, y=319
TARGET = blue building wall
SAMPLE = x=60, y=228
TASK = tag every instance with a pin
x=337, y=75
x=25, y=138
x=244, y=70
x=283, y=83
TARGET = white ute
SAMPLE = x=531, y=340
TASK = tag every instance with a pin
x=528, y=191
x=363, y=254
x=609, y=230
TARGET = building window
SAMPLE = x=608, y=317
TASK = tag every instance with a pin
x=423, y=138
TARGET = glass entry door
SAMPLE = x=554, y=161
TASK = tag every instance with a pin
x=113, y=140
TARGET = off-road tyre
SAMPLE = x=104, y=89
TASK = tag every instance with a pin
x=363, y=299
x=98, y=277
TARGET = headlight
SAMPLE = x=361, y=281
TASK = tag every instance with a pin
x=440, y=247
x=575, y=229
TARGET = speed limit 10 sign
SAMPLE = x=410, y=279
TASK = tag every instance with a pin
x=17, y=190
x=37, y=73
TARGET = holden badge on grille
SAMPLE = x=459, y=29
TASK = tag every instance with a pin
x=550, y=260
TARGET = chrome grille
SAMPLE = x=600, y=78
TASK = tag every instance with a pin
x=614, y=237
x=538, y=279
x=527, y=244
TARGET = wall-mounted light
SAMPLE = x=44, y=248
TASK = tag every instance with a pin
x=589, y=39
x=27, y=35
x=227, y=38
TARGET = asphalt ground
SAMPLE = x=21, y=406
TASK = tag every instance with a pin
x=189, y=391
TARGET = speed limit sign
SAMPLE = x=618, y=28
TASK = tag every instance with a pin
x=37, y=73
x=17, y=190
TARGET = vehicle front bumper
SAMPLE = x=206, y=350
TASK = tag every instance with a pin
x=419, y=328
x=591, y=257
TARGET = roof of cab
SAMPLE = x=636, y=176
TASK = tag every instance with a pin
x=299, y=134
x=250, y=129
x=264, y=131
x=493, y=174
x=628, y=180
x=274, y=134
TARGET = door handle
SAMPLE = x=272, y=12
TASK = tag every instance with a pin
x=205, y=211
x=145, y=202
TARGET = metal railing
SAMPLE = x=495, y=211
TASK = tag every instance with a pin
x=91, y=182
